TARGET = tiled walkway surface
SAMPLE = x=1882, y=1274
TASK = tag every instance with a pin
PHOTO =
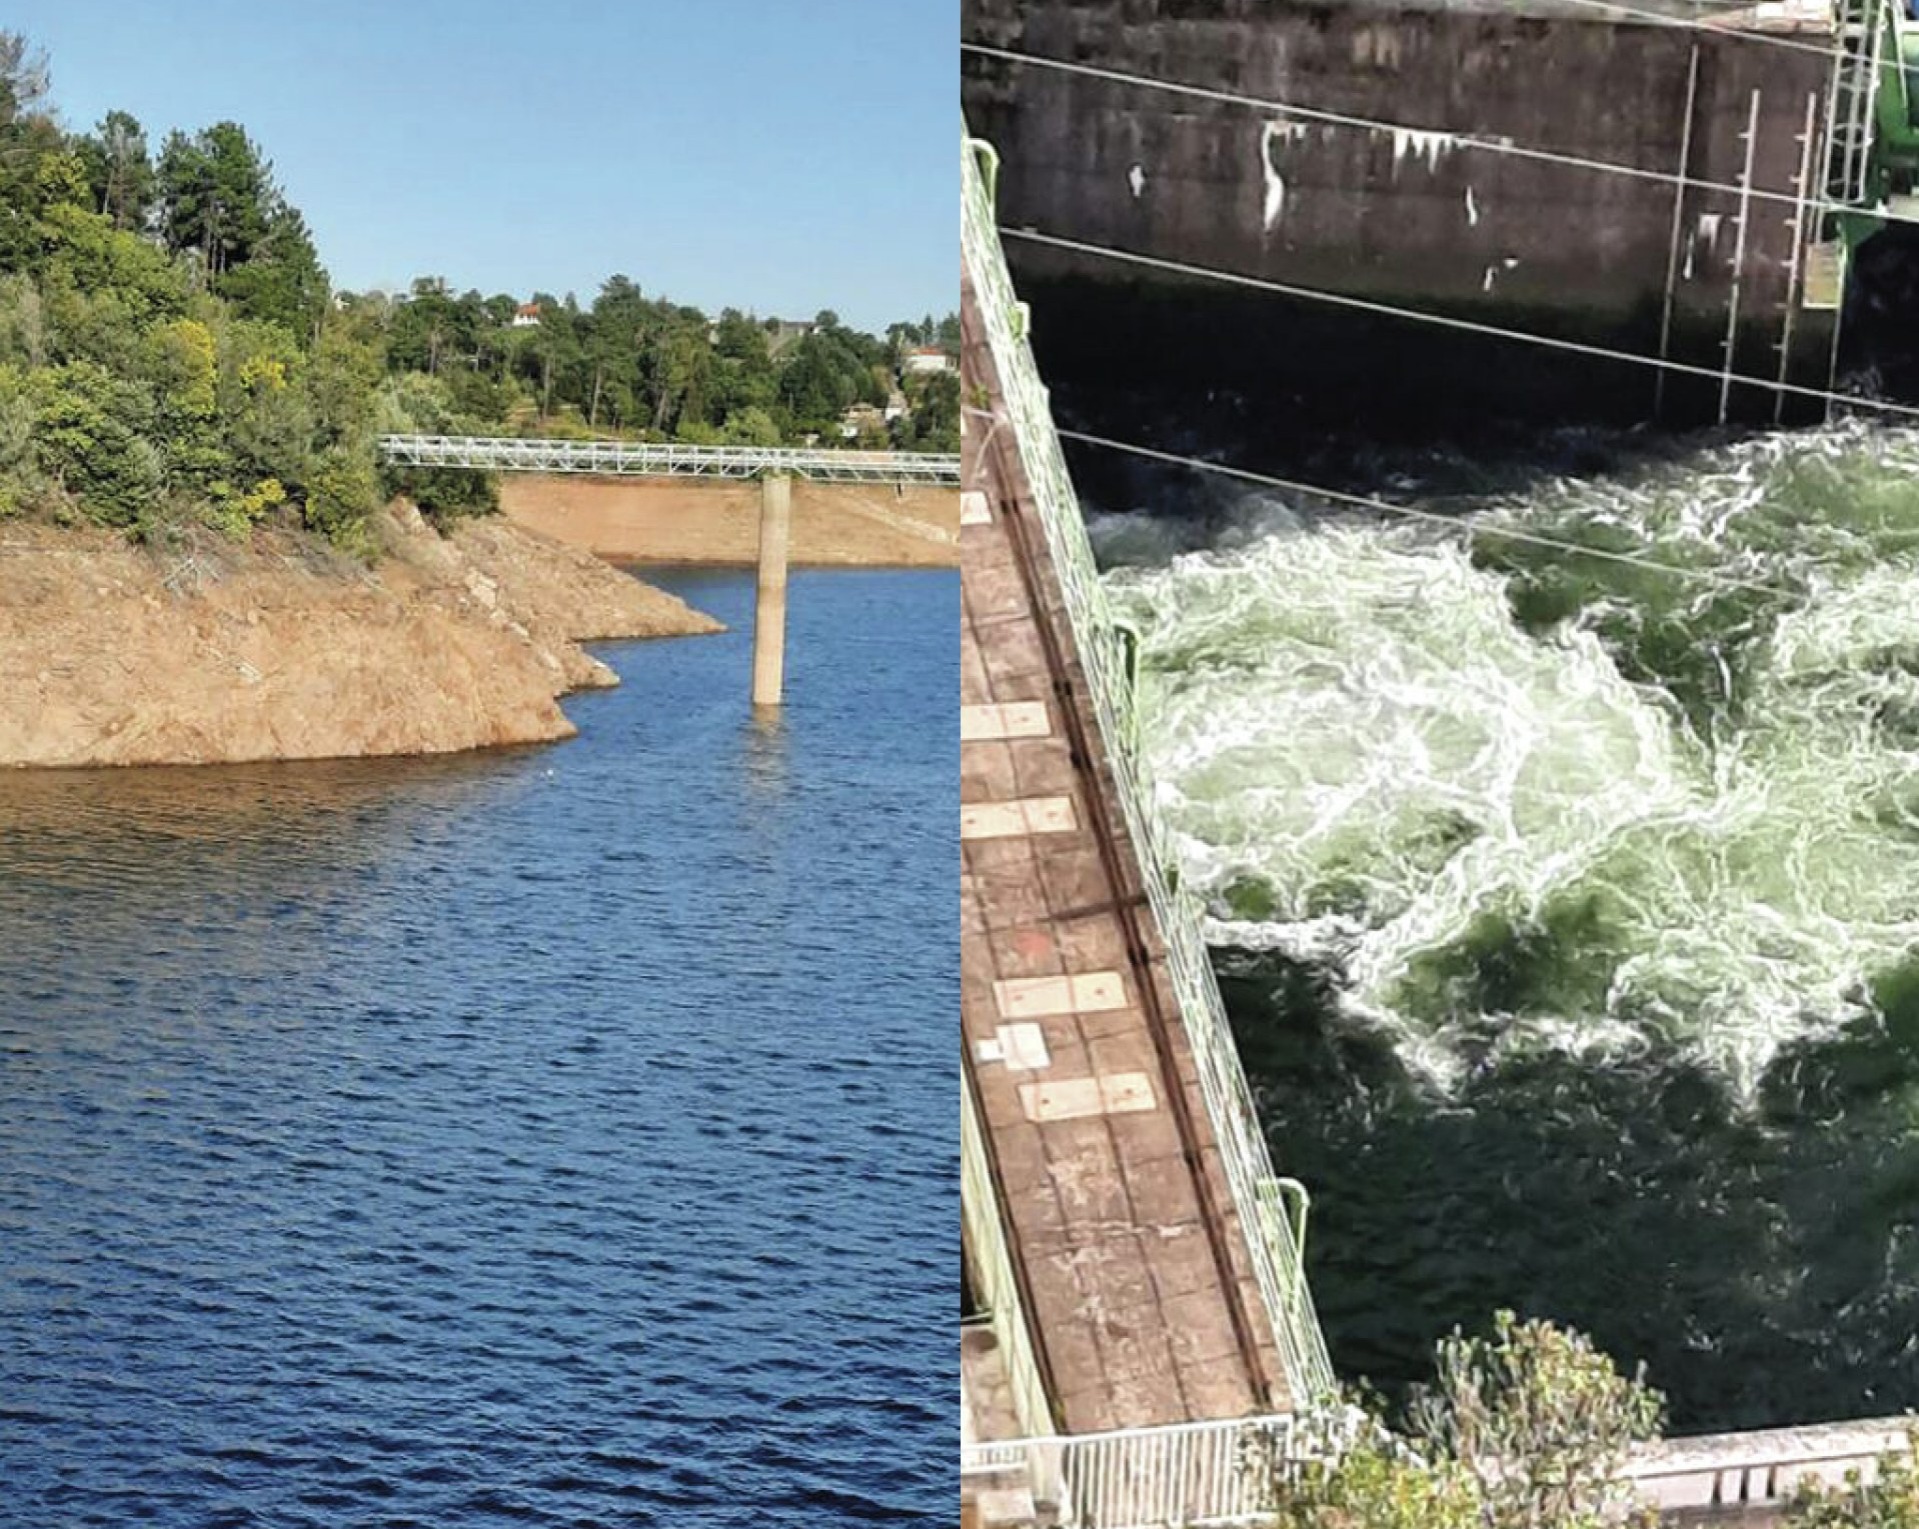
x=1096, y=1125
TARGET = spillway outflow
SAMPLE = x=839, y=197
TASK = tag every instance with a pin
x=1507, y=798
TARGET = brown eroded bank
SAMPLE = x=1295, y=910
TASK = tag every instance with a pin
x=677, y=520
x=111, y=655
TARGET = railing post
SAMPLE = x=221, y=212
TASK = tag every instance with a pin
x=769, y=608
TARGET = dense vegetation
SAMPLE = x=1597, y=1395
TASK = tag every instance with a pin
x=1530, y=1427
x=172, y=353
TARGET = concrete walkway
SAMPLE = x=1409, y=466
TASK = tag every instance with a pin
x=1116, y=1209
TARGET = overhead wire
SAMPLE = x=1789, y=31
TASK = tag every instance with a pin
x=1414, y=512
x=1448, y=321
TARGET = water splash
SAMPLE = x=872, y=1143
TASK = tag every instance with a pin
x=1492, y=790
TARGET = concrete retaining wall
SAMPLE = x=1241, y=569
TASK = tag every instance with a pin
x=1413, y=219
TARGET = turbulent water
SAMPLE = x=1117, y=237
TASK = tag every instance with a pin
x=547, y=1137
x=1569, y=904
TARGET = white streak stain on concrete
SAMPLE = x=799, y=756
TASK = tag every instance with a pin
x=1472, y=209
x=1709, y=228
x=1275, y=132
x=1136, y=178
x=1426, y=146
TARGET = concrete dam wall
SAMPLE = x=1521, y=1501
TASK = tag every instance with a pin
x=1425, y=213
x=663, y=520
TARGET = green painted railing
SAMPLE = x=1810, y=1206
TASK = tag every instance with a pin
x=992, y=1267
x=1271, y=1210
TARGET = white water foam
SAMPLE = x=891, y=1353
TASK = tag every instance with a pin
x=1371, y=764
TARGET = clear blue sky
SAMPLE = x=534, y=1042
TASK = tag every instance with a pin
x=782, y=156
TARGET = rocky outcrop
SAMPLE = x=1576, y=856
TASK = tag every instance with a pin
x=113, y=655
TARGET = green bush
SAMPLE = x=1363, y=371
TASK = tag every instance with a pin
x=84, y=442
x=1526, y=1429
x=341, y=497
x=1890, y=1501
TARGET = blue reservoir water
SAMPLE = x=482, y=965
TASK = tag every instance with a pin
x=562, y=1136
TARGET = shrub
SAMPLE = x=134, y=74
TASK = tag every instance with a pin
x=1891, y=1501
x=341, y=495
x=83, y=441
x=1526, y=1429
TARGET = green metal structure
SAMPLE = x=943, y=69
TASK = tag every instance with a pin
x=1872, y=137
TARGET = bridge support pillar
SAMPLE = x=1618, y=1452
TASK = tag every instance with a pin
x=769, y=609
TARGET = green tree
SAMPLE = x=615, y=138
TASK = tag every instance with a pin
x=682, y=373
x=551, y=352
x=27, y=136
x=23, y=78
x=264, y=405
x=281, y=280
x=120, y=175
x=415, y=404
x=100, y=259
x=23, y=321
x=751, y=426
x=217, y=199
x=934, y=423
x=744, y=378
x=87, y=441
x=427, y=329
x=341, y=497
x=22, y=483
x=825, y=373
x=618, y=334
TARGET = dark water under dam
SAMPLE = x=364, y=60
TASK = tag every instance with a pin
x=1568, y=909
x=550, y=1137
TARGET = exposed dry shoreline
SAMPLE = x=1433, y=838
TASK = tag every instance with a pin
x=111, y=655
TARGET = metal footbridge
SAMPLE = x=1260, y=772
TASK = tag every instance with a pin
x=666, y=460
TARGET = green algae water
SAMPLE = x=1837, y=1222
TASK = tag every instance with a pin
x=1569, y=908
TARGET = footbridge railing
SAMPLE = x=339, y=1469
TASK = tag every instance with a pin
x=1197, y=1475
x=647, y=459
x=1271, y=1210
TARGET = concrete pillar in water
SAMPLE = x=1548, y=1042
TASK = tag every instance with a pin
x=769, y=609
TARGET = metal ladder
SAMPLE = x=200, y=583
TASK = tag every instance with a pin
x=1858, y=39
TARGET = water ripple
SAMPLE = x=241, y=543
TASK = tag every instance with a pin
x=554, y=1137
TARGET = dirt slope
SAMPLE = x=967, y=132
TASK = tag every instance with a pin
x=113, y=655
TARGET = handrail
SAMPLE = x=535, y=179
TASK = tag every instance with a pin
x=666, y=459
x=1215, y=1473
x=1272, y=1231
x=993, y=1269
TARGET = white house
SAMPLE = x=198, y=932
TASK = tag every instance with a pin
x=925, y=359
x=526, y=316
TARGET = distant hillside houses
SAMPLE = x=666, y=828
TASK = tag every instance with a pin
x=924, y=360
x=862, y=419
